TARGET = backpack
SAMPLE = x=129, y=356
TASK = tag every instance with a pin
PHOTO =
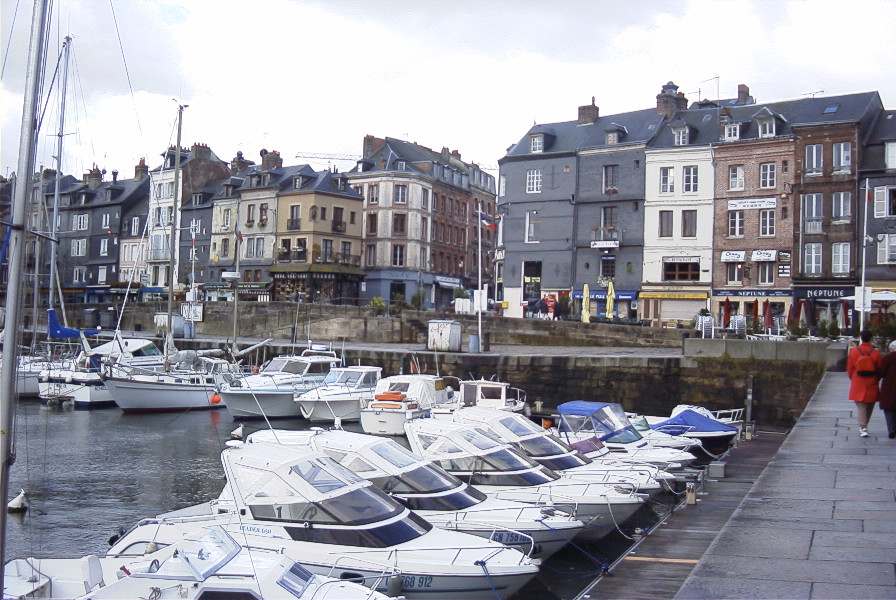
x=865, y=365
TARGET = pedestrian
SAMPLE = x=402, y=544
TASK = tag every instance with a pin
x=863, y=367
x=887, y=396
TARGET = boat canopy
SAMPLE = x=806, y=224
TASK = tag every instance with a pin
x=58, y=331
x=690, y=420
x=607, y=420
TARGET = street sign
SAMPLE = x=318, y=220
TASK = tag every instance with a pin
x=863, y=298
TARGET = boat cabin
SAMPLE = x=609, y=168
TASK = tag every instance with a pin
x=308, y=366
x=581, y=419
x=492, y=394
x=353, y=378
x=426, y=390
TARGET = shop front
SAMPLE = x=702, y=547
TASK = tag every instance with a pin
x=750, y=302
x=672, y=306
x=316, y=283
x=625, y=304
x=831, y=303
x=443, y=290
x=249, y=291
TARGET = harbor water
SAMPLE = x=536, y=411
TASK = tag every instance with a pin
x=87, y=473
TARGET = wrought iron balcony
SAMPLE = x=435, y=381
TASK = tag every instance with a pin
x=339, y=226
x=812, y=225
x=159, y=254
x=293, y=224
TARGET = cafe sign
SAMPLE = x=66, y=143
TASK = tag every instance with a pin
x=764, y=255
x=752, y=203
x=681, y=259
x=823, y=293
x=733, y=255
x=603, y=244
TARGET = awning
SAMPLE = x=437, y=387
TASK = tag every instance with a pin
x=675, y=295
x=448, y=282
x=601, y=294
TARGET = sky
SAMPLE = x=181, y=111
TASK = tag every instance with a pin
x=315, y=77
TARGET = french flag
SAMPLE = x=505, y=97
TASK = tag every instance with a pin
x=490, y=222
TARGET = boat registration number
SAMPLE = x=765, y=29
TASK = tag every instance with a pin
x=416, y=582
x=508, y=537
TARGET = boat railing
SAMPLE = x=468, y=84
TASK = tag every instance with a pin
x=543, y=499
x=386, y=571
x=498, y=528
x=731, y=414
x=458, y=550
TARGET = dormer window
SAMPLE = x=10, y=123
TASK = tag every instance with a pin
x=612, y=138
x=265, y=179
x=680, y=136
x=536, y=143
x=400, y=165
x=767, y=128
x=197, y=199
x=228, y=190
x=732, y=132
x=169, y=161
x=297, y=182
x=82, y=198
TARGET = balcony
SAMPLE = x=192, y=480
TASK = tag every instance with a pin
x=293, y=224
x=338, y=259
x=295, y=255
x=159, y=254
x=338, y=226
x=607, y=237
x=399, y=232
x=812, y=225
x=250, y=222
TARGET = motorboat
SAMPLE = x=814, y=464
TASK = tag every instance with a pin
x=271, y=393
x=438, y=497
x=399, y=398
x=715, y=431
x=208, y=564
x=342, y=395
x=335, y=523
x=486, y=393
x=658, y=438
x=82, y=380
x=191, y=385
x=582, y=419
x=495, y=468
x=546, y=449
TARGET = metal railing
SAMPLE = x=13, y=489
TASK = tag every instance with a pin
x=293, y=224
x=159, y=254
x=812, y=225
x=339, y=226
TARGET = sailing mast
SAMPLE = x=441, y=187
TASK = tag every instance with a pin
x=52, y=289
x=171, y=240
x=35, y=283
x=27, y=135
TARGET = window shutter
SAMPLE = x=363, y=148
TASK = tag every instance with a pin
x=880, y=202
x=882, y=250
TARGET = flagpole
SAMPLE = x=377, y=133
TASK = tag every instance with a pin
x=479, y=270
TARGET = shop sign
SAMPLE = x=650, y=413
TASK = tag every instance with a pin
x=783, y=256
x=449, y=281
x=752, y=293
x=734, y=255
x=783, y=270
x=192, y=311
x=764, y=255
x=603, y=244
x=681, y=259
x=823, y=293
x=752, y=203
x=499, y=254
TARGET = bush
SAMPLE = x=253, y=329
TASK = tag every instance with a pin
x=823, y=329
x=884, y=332
x=378, y=305
x=797, y=331
x=418, y=299
x=460, y=293
x=834, y=330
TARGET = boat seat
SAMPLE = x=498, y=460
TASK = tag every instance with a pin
x=92, y=571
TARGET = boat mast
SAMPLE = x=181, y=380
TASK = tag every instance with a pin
x=27, y=135
x=35, y=283
x=174, y=209
x=66, y=45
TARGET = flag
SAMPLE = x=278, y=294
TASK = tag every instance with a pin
x=488, y=221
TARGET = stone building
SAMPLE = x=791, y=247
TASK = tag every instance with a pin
x=133, y=244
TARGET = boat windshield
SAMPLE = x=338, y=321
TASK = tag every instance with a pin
x=394, y=454
x=520, y=425
x=640, y=423
x=324, y=474
x=491, y=392
x=428, y=479
x=295, y=579
x=283, y=365
x=575, y=424
x=611, y=425
x=399, y=387
x=342, y=377
x=480, y=438
x=543, y=445
x=360, y=506
x=458, y=500
x=208, y=554
x=147, y=350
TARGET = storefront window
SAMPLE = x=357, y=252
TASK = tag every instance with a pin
x=681, y=271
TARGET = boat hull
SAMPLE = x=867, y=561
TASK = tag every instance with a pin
x=388, y=421
x=134, y=396
x=89, y=397
x=320, y=411
x=276, y=405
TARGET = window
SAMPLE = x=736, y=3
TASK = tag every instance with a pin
x=734, y=272
x=766, y=273
x=732, y=132
x=536, y=143
x=886, y=249
x=327, y=250
x=105, y=224
x=767, y=128
x=263, y=213
x=400, y=165
x=259, y=247
x=812, y=259
x=608, y=266
x=689, y=178
x=608, y=223
x=681, y=271
x=346, y=249
x=667, y=180
x=502, y=186
x=250, y=214
x=400, y=194
x=423, y=262
x=101, y=274
x=842, y=209
x=533, y=181
x=104, y=247
x=225, y=247
x=890, y=155
x=611, y=177
x=767, y=175
x=689, y=223
x=735, y=223
x=135, y=226
x=842, y=157
x=226, y=218
x=736, y=177
x=680, y=136
x=840, y=258
x=530, y=227
x=785, y=166
x=397, y=255
x=373, y=193
x=79, y=247
x=812, y=213
x=665, y=223
x=323, y=213
x=79, y=275
x=370, y=255
x=371, y=224
x=767, y=222
x=424, y=198
x=813, y=159
x=612, y=138
x=399, y=224
x=80, y=223
x=352, y=217
x=884, y=202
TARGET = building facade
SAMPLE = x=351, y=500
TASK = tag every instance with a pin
x=878, y=176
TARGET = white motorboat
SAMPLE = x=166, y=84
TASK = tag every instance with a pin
x=271, y=393
x=493, y=467
x=435, y=495
x=715, y=431
x=335, y=523
x=344, y=392
x=487, y=394
x=210, y=564
x=179, y=389
x=28, y=374
x=541, y=446
x=660, y=439
x=399, y=398
x=581, y=420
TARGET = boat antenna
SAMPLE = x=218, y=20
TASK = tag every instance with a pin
x=27, y=139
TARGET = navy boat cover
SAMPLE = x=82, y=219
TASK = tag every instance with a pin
x=689, y=420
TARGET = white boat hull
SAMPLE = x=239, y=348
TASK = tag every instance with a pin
x=320, y=411
x=382, y=421
x=57, y=390
x=243, y=405
x=152, y=396
x=93, y=396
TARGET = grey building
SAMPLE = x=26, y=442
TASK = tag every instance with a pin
x=878, y=172
x=196, y=214
x=571, y=197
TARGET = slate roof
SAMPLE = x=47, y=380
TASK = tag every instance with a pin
x=885, y=128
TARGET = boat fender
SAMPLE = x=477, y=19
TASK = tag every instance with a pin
x=237, y=434
x=394, y=586
x=216, y=399
x=116, y=536
x=19, y=504
x=68, y=378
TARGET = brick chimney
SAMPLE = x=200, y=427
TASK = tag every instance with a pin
x=455, y=154
x=271, y=160
x=743, y=94
x=93, y=178
x=141, y=170
x=589, y=112
x=670, y=100
x=201, y=152
x=372, y=145
x=238, y=164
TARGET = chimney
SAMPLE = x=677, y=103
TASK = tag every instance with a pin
x=271, y=160
x=141, y=170
x=372, y=145
x=114, y=175
x=668, y=100
x=589, y=112
x=455, y=154
x=201, y=152
x=743, y=94
x=239, y=164
x=93, y=178
x=681, y=101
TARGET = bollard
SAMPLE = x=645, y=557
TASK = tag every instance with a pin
x=691, y=493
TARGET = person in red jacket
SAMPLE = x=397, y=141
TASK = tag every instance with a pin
x=887, y=397
x=863, y=368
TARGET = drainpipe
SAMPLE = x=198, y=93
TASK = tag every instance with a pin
x=575, y=231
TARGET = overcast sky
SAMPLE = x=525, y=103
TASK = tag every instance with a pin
x=316, y=76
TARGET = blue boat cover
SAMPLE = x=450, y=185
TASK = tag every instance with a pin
x=689, y=420
x=57, y=331
x=581, y=408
